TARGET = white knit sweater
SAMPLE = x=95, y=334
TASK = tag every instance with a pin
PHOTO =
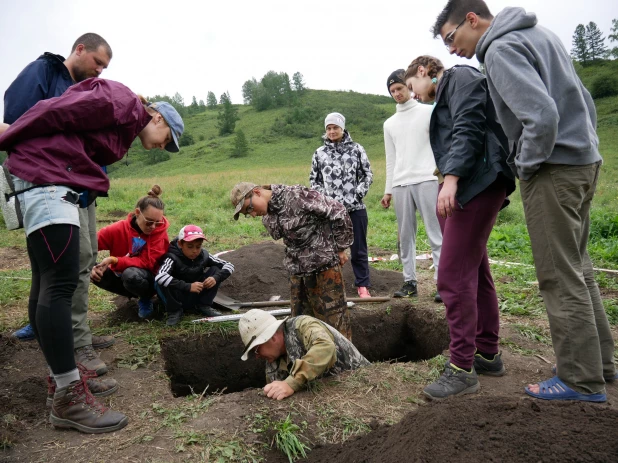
x=409, y=158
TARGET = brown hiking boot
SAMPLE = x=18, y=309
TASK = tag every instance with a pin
x=75, y=407
x=98, y=387
x=102, y=342
x=90, y=359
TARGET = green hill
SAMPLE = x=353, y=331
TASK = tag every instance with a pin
x=281, y=137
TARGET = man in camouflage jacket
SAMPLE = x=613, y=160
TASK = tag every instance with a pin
x=316, y=232
x=297, y=350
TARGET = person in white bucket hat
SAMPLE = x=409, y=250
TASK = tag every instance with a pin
x=312, y=347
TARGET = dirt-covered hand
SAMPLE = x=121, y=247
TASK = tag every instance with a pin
x=278, y=390
x=97, y=271
x=343, y=257
x=386, y=201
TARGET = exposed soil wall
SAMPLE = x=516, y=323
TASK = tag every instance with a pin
x=213, y=361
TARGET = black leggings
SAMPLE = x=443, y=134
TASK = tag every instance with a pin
x=54, y=258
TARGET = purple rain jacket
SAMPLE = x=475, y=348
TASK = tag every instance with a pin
x=66, y=140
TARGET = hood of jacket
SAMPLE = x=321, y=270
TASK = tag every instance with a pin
x=332, y=146
x=57, y=61
x=508, y=20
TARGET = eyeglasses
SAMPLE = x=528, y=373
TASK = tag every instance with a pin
x=152, y=223
x=450, y=37
x=249, y=209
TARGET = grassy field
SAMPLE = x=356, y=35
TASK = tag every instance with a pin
x=196, y=184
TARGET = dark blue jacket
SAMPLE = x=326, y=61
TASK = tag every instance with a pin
x=465, y=135
x=47, y=77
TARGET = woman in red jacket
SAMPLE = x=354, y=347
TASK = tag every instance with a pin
x=55, y=152
x=136, y=246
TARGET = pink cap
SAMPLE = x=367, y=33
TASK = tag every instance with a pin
x=190, y=233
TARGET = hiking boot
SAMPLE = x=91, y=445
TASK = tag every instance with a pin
x=90, y=359
x=489, y=367
x=208, y=311
x=145, y=308
x=174, y=317
x=437, y=297
x=101, y=342
x=407, y=290
x=454, y=381
x=25, y=334
x=363, y=292
x=75, y=407
x=98, y=387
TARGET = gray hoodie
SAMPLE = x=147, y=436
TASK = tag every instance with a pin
x=543, y=107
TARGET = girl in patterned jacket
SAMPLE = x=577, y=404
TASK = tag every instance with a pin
x=340, y=170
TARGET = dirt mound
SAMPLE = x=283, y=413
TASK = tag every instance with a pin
x=499, y=429
x=260, y=274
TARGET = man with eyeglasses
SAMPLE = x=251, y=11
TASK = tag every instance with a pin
x=550, y=121
x=316, y=231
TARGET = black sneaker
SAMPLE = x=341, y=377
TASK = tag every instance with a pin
x=493, y=367
x=407, y=290
x=454, y=381
x=208, y=311
x=173, y=318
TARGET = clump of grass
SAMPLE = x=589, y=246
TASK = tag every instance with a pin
x=287, y=439
x=532, y=332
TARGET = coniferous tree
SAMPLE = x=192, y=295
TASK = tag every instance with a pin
x=228, y=115
x=241, y=145
x=579, y=52
x=595, y=42
x=613, y=37
x=211, y=100
x=299, y=84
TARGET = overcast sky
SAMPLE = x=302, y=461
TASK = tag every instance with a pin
x=192, y=47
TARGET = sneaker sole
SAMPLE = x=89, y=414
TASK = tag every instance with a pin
x=104, y=345
x=470, y=390
x=490, y=373
x=68, y=424
x=50, y=400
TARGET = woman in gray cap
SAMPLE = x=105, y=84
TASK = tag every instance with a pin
x=340, y=170
x=55, y=151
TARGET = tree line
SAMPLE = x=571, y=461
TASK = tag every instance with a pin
x=589, y=43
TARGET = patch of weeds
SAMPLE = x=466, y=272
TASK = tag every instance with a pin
x=388, y=310
x=353, y=426
x=436, y=366
x=611, y=309
x=415, y=400
x=410, y=376
x=141, y=356
x=315, y=387
x=517, y=349
x=287, y=439
x=5, y=444
x=532, y=332
x=190, y=408
x=225, y=451
x=605, y=280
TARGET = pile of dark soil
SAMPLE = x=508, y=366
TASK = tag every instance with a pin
x=481, y=428
x=260, y=274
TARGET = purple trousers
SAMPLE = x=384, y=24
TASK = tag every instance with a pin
x=464, y=278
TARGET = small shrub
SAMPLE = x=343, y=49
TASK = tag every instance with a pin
x=186, y=139
x=604, y=85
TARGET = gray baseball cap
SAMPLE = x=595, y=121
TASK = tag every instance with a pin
x=174, y=120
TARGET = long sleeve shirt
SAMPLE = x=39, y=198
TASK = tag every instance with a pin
x=409, y=157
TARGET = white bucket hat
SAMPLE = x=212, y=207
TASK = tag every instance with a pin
x=256, y=327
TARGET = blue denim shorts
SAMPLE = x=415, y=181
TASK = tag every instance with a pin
x=47, y=205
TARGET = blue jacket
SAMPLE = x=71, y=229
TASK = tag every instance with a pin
x=47, y=77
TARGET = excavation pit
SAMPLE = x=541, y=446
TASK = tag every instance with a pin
x=212, y=362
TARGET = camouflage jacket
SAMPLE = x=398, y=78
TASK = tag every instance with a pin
x=342, y=171
x=313, y=227
x=314, y=349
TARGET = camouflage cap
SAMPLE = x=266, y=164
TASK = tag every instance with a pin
x=238, y=195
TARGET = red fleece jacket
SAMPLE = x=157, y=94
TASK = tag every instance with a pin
x=134, y=249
